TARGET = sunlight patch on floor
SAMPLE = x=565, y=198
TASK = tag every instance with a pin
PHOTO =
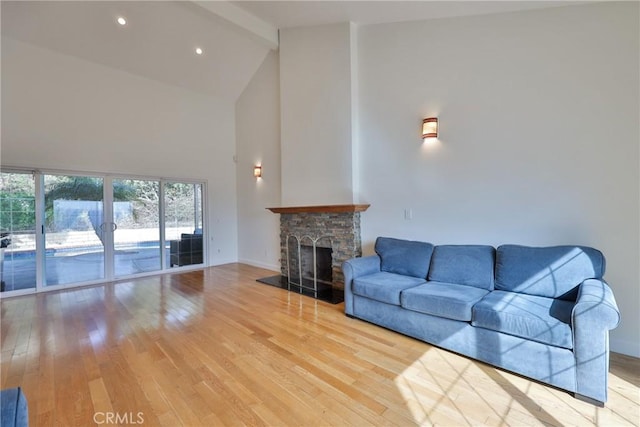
x=443, y=388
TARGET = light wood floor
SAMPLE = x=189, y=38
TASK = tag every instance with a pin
x=214, y=347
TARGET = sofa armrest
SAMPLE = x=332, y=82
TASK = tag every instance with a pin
x=352, y=269
x=595, y=307
x=593, y=315
x=174, y=247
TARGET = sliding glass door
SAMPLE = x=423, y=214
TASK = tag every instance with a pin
x=17, y=231
x=74, y=229
x=136, y=215
x=61, y=230
x=183, y=223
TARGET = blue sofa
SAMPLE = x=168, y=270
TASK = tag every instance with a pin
x=13, y=408
x=544, y=313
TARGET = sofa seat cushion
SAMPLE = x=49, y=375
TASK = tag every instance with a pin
x=470, y=265
x=384, y=287
x=553, y=272
x=540, y=319
x=440, y=299
x=404, y=257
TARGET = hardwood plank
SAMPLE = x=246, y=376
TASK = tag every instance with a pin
x=99, y=396
x=213, y=347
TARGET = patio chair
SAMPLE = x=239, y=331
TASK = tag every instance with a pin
x=187, y=250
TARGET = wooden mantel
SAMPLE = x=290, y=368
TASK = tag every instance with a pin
x=320, y=209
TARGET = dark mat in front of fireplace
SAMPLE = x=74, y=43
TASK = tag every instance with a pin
x=326, y=292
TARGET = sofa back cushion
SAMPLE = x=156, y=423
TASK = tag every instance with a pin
x=404, y=257
x=470, y=265
x=552, y=272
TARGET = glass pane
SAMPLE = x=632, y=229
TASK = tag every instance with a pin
x=17, y=231
x=137, y=215
x=183, y=223
x=73, y=229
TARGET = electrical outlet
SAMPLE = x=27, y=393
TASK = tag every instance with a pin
x=408, y=214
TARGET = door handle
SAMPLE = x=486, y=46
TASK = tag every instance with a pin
x=113, y=226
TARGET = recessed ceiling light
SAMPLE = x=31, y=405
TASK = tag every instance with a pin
x=122, y=21
x=198, y=51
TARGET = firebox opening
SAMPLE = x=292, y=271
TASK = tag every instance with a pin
x=324, y=268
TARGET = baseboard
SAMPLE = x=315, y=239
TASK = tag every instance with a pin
x=629, y=348
x=222, y=262
x=260, y=264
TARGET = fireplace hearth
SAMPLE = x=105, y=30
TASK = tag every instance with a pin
x=333, y=231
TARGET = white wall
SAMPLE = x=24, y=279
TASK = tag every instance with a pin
x=258, y=143
x=316, y=115
x=60, y=112
x=539, y=135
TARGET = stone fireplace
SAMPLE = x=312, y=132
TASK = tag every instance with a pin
x=333, y=227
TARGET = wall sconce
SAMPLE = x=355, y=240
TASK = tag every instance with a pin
x=257, y=171
x=430, y=128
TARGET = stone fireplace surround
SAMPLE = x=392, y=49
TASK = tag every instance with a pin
x=340, y=223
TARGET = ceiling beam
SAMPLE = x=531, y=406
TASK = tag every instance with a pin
x=263, y=31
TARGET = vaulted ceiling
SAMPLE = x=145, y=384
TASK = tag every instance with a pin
x=160, y=38
x=284, y=14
